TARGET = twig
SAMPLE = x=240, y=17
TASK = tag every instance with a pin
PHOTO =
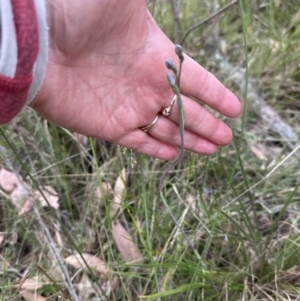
x=270, y=117
x=207, y=20
x=175, y=12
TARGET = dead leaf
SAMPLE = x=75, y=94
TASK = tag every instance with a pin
x=55, y=272
x=264, y=222
x=102, y=287
x=19, y=197
x=50, y=194
x=119, y=191
x=32, y=297
x=274, y=45
x=13, y=239
x=33, y=283
x=256, y=150
x=127, y=248
x=296, y=19
x=8, y=180
x=103, y=191
x=26, y=207
x=94, y=262
x=82, y=139
x=191, y=201
x=85, y=288
x=223, y=47
x=58, y=237
x=1, y=238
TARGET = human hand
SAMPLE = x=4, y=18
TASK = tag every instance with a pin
x=106, y=78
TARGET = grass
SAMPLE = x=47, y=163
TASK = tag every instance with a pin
x=248, y=240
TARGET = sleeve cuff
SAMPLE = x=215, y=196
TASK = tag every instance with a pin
x=40, y=64
x=23, y=53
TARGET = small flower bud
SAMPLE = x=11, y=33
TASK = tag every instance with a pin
x=171, y=66
x=171, y=79
x=179, y=52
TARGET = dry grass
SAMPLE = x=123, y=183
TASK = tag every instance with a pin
x=248, y=239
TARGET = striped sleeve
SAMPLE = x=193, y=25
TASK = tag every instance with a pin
x=23, y=53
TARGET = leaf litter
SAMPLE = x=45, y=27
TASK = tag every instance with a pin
x=20, y=196
x=23, y=200
x=90, y=291
x=93, y=261
x=33, y=283
x=8, y=180
x=119, y=192
x=28, y=296
x=125, y=244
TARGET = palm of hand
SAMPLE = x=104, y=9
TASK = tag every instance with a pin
x=106, y=77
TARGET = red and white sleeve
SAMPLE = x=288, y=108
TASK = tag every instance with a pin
x=23, y=53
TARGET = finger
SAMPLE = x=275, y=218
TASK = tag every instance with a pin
x=168, y=132
x=201, y=84
x=201, y=122
x=148, y=145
